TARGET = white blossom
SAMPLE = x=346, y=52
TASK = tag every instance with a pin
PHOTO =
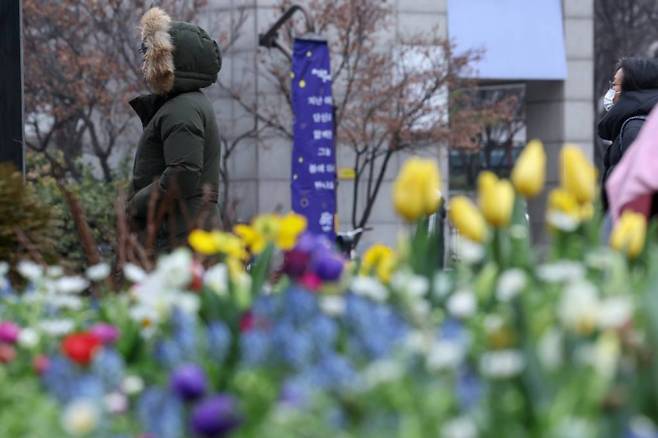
x=71, y=285
x=502, y=364
x=510, y=284
x=615, y=312
x=115, y=402
x=216, y=278
x=561, y=271
x=132, y=385
x=369, y=287
x=56, y=327
x=54, y=271
x=176, y=268
x=444, y=355
x=28, y=338
x=98, y=272
x=462, y=304
x=134, y=273
x=30, y=270
x=579, y=306
x=333, y=305
x=460, y=427
x=468, y=251
x=442, y=284
x=80, y=417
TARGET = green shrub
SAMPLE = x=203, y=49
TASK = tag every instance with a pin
x=97, y=199
x=23, y=211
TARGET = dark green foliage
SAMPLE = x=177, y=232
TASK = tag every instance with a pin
x=97, y=199
x=22, y=212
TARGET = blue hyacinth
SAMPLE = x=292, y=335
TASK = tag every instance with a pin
x=161, y=413
x=109, y=368
x=218, y=338
x=66, y=383
x=255, y=347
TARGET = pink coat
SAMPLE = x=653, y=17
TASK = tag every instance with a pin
x=635, y=178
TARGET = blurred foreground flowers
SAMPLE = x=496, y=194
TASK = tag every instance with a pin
x=268, y=331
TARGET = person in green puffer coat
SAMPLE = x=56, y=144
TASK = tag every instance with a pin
x=177, y=159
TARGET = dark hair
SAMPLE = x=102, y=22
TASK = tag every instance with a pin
x=639, y=73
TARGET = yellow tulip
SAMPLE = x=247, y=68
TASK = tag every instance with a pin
x=563, y=201
x=496, y=199
x=467, y=219
x=379, y=259
x=629, y=234
x=417, y=189
x=250, y=237
x=290, y=227
x=577, y=174
x=202, y=242
x=529, y=173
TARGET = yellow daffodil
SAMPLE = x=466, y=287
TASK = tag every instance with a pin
x=529, y=172
x=251, y=237
x=496, y=199
x=417, y=189
x=267, y=226
x=203, y=242
x=629, y=234
x=379, y=259
x=578, y=175
x=467, y=219
x=230, y=245
x=290, y=227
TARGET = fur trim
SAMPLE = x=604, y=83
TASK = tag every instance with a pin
x=158, y=67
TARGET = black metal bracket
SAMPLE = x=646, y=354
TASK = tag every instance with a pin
x=270, y=39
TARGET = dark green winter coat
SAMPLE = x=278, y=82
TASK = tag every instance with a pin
x=179, y=151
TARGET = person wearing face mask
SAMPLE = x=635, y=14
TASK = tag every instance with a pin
x=632, y=95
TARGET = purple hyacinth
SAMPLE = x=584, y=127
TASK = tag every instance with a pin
x=189, y=382
x=215, y=417
x=327, y=266
x=107, y=333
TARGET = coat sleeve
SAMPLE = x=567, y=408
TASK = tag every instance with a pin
x=182, y=134
x=629, y=134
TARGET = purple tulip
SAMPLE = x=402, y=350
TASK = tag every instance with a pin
x=295, y=263
x=215, y=416
x=9, y=332
x=327, y=266
x=107, y=333
x=189, y=382
x=306, y=243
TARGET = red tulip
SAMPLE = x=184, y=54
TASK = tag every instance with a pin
x=81, y=347
x=7, y=353
x=41, y=364
x=197, y=276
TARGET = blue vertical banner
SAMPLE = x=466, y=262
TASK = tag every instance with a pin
x=313, y=179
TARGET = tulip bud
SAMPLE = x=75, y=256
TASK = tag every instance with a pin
x=467, y=219
x=496, y=199
x=578, y=175
x=629, y=234
x=417, y=189
x=529, y=172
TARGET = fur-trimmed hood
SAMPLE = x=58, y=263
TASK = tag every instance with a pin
x=179, y=56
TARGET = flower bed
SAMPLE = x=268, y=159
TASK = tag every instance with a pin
x=269, y=332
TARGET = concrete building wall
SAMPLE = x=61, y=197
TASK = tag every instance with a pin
x=562, y=111
x=557, y=112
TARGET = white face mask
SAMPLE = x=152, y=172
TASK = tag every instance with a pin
x=608, y=99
